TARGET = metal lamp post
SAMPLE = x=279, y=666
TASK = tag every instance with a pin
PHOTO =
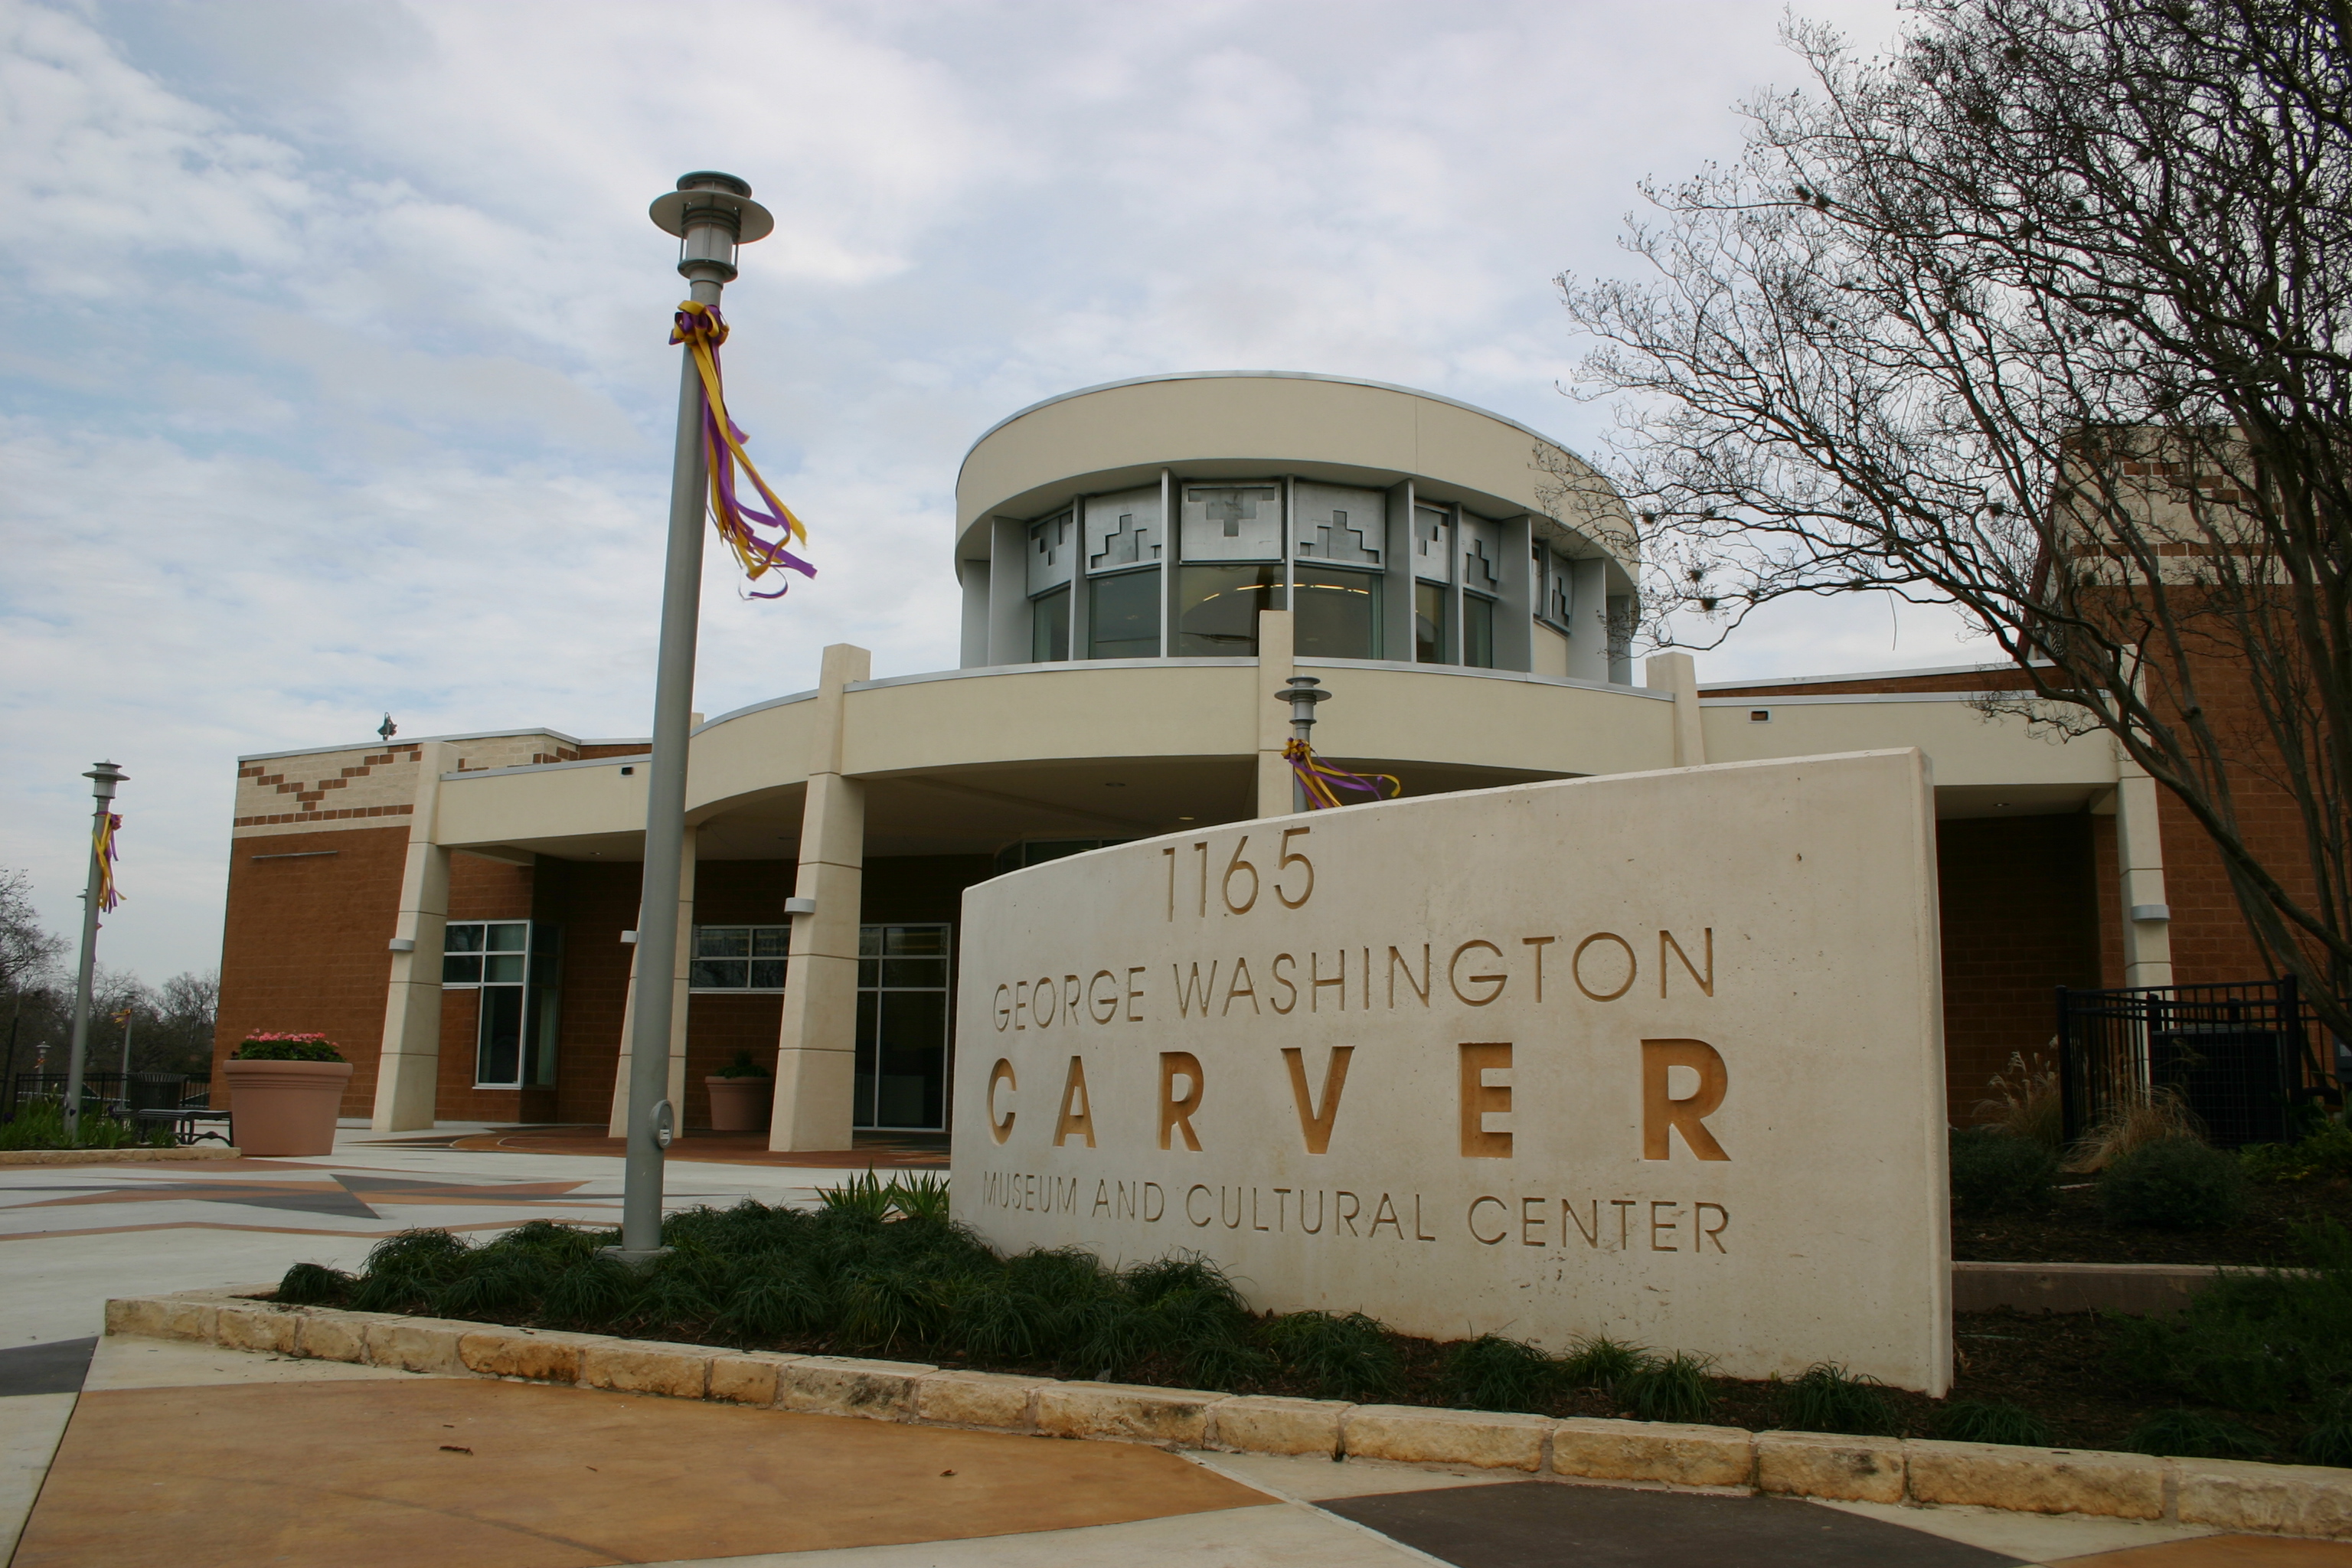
x=103, y=777
x=711, y=214
x=1305, y=692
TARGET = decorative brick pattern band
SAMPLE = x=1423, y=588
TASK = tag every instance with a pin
x=2227, y=1494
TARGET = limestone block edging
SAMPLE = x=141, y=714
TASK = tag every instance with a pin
x=2229, y=1494
x=137, y=1156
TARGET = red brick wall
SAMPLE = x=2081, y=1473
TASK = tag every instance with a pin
x=2020, y=917
x=598, y=902
x=1999, y=678
x=306, y=944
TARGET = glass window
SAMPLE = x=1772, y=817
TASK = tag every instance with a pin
x=1338, y=612
x=1560, y=591
x=1233, y=522
x=1217, y=607
x=1049, y=627
x=1478, y=632
x=902, y=1027
x=739, y=958
x=515, y=969
x=1429, y=623
x=1123, y=615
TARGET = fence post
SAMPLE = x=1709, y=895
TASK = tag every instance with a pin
x=2065, y=1068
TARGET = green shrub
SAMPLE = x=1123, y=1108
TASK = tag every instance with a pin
x=1345, y=1355
x=2174, y=1185
x=1995, y=1173
x=2324, y=1150
x=276, y=1047
x=1598, y=1362
x=1491, y=1372
x=1828, y=1398
x=314, y=1285
x=2193, y=1435
x=41, y=1124
x=1992, y=1421
x=2329, y=1441
x=2256, y=1340
x=1669, y=1388
x=742, y=1066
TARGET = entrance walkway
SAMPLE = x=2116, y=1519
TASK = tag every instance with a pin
x=170, y=1455
x=124, y=1453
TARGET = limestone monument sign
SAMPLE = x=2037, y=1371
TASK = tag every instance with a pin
x=1656, y=1055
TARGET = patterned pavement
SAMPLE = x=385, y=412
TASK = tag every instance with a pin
x=125, y=1453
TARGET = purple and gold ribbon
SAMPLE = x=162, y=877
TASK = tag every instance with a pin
x=699, y=328
x=102, y=846
x=1323, y=782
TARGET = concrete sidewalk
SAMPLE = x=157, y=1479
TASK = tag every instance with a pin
x=123, y=1452
x=163, y=1453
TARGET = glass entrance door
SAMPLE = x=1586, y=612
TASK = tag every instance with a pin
x=902, y=1028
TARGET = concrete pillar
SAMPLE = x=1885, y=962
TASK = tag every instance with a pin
x=816, y=1051
x=2139, y=860
x=680, y=969
x=1675, y=673
x=1277, y=662
x=408, y=1071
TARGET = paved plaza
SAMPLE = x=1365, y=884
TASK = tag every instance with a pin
x=133, y=1452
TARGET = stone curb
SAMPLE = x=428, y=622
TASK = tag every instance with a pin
x=2228, y=1494
x=142, y=1156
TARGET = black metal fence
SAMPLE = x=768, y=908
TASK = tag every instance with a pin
x=129, y=1093
x=2238, y=1056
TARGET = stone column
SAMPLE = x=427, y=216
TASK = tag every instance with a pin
x=2139, y=861
x=1277, y=795
x=680, y=968
x=817, y=1050
x=1675, y=673
x=408, y=1069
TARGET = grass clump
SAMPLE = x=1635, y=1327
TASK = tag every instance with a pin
x=2026, y=1103
x=1669, y=1388
x=1995, y=1173
x=2174, y=1183
x=1599, y=1362
x=1992, y=1421
x=1829, y=1398
x=2193, y=1435
x=1345, y=1355
x=1491, y=1372
x=41, y=1124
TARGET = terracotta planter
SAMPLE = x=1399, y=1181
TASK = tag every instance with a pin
x=285, y=1108
x=740, y=1104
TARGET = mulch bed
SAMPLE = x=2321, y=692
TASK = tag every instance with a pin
x=2073, y=1231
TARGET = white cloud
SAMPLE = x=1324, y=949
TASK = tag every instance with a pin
x=335, y=376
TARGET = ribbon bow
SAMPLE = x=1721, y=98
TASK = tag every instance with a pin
x=699, y=328
x=1322, y=781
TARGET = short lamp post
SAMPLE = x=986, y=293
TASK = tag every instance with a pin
x=103, y=777
x=711, y=214
x=1305, y=692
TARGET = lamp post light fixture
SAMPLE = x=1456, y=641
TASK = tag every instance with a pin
x=103, y=777
x=712, y=215
x=1305, y=692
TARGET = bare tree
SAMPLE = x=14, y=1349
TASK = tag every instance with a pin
x=28, y=958
x=2046, y=315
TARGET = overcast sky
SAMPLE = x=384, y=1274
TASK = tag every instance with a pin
x=335, y=377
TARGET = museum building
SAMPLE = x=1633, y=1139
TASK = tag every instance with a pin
x=1143, y=566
